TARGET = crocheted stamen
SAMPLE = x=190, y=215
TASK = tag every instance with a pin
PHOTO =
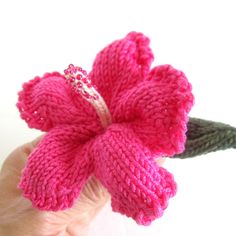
x=80, y=82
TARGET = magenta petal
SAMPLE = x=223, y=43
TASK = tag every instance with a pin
x=56, y=170
x=157, y=110
x=48, y=101
x=121, y=65
x=139, y=188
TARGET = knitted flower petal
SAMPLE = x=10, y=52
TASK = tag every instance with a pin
x=157, y=110
x=121, y=65
x=49, y=101
x=56, y=170
x=139, y=188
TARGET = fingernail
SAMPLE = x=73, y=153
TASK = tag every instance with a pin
x=37, y=140
x=29, y=147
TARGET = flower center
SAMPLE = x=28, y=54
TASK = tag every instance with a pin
x=80, y=82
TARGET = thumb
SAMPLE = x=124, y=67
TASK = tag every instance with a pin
x=18, y=158
x=27, y=148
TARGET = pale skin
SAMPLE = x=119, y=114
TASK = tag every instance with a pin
x=18, y=217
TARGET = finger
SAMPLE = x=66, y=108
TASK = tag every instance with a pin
x=17, y=159
x=27, y=148
x=12, y=167
x=160, y=161
x=94, y=193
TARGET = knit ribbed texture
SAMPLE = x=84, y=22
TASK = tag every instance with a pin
x=149, y=119
x=204, y=136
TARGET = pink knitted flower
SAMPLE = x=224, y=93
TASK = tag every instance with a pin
x=149, y=114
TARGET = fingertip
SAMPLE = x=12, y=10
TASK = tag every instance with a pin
x=28, y=148
x=160, y=160
x=36, y=141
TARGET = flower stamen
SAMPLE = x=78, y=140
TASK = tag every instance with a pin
x=80, y=82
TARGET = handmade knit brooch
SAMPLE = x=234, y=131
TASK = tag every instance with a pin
x=112, y=123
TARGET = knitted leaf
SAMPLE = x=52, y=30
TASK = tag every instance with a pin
x=204, y=136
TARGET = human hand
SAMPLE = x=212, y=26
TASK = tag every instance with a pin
x=18, y=217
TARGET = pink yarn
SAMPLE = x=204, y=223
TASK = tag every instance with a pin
x=149, y=116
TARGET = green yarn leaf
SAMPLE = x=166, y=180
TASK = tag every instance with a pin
x=204, y=136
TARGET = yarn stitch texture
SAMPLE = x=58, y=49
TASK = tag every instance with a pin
x=205, y=136
x=149, y=109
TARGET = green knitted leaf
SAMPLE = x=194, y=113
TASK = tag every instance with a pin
x=204, y=136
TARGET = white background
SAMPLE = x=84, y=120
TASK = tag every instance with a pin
x=198, y=37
